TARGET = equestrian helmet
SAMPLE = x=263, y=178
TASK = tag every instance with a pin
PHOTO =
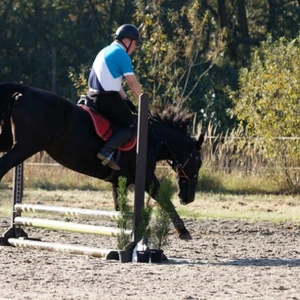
x=127, y=31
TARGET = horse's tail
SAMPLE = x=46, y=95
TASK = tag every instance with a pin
x=6, y=137
x=7, y=92
x=8, y=89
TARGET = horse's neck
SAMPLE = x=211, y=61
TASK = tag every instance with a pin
x=166, y=143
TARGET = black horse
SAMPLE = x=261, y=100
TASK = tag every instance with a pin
x=33, y=120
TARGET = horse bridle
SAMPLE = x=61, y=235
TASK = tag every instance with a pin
x=177, y=167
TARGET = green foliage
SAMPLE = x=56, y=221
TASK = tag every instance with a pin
x=70, y=37
x=123, y=222
x=268, y=101
x=161, y=227
x=183, y=58
x=79, y=80
x=144, y=230
x=175, y=49
x=208, y=181
x=236, y=183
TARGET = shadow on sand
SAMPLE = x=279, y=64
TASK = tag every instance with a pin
x=245, y=262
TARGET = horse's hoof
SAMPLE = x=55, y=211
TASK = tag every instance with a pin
x=184, y=234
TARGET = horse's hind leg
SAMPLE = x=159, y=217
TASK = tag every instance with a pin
x=152, y=190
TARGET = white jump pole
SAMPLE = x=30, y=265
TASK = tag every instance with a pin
x=69, y=226
x=63, y=248
x=69, y=211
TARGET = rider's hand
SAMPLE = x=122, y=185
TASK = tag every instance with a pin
x=130, y=104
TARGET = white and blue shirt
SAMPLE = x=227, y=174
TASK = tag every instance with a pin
x=109, y=67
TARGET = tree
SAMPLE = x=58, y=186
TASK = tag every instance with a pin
x=283, y=18
x=179, y=48
x=268, y=102
x=185, y=56
x=75, y=30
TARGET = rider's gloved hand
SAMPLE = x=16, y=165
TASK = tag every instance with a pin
x=130, y=104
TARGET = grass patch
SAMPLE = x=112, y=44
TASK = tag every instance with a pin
x=52, y=178
x=273, y=208
x=236, y=183
x=248, y=215
x=5, y=202
x=258, y=207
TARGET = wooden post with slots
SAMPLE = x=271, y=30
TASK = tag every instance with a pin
x=141, y=162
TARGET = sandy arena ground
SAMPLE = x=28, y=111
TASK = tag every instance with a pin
x=225, y=260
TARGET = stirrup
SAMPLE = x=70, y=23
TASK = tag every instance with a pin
x=109, y=161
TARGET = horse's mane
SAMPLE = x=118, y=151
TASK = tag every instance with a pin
x=173, y=117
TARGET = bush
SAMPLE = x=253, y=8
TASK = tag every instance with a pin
x=123, y=222
x=161, y=227
x=268, y=103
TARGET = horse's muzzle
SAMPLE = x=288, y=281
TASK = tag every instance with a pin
x=187, y=195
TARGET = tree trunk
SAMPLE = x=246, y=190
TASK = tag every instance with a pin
x=243, y=31
x=242, y=19
x=222, y=13
x=273, y=17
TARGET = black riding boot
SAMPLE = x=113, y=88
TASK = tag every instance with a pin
x=121, y=136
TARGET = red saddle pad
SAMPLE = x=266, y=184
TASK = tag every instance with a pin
x=103, y=128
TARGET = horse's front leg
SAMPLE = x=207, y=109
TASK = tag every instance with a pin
x=152, y=188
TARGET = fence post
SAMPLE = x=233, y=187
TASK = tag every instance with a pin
x=141, y=163
x=14, y=230
x=17, y=189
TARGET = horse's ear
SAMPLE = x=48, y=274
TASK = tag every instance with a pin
x=200, y=140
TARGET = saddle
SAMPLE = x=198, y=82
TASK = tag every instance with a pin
x=103, y=127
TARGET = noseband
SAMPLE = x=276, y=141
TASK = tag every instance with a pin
x=179, y=168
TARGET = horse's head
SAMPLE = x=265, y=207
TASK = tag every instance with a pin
x=186, y=165
x=182, y=151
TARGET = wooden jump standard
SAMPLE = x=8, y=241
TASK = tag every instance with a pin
x=17, y=237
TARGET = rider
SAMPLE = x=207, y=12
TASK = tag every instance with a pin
x=105, y=88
